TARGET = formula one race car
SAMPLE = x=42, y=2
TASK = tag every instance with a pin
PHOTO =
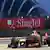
x=33, y=40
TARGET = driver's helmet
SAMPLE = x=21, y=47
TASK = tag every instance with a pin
x=34, y=32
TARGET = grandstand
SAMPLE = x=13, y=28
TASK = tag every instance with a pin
x=26, y=8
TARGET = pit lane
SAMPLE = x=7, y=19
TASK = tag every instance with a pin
x=4, y=43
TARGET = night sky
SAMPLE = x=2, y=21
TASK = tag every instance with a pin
x=45, y=4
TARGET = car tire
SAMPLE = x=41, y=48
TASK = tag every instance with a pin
x=14, y=46
x=27, y=43
x=9, y=45
x=48, y=44
x=44, y=43
x=39, y=44
x=48, y=41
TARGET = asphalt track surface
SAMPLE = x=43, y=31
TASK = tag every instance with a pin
x=4, y=43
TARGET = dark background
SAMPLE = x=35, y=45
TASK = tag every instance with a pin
x=6, y=4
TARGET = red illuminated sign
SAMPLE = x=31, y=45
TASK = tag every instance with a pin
x=27, y=22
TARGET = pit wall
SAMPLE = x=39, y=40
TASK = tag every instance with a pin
x=10, y=33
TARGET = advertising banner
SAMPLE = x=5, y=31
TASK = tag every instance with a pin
x=26, y=23
x=7, y=26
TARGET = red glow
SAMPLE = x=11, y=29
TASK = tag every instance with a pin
x=22, y=23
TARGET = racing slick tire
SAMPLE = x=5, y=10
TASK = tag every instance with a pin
x=38, y=45
x=48, y=44
x=12, y=46
x=48, y=41
x=9, y=46
x=45, y=42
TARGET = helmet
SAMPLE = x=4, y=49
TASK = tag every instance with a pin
x=34, y=31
